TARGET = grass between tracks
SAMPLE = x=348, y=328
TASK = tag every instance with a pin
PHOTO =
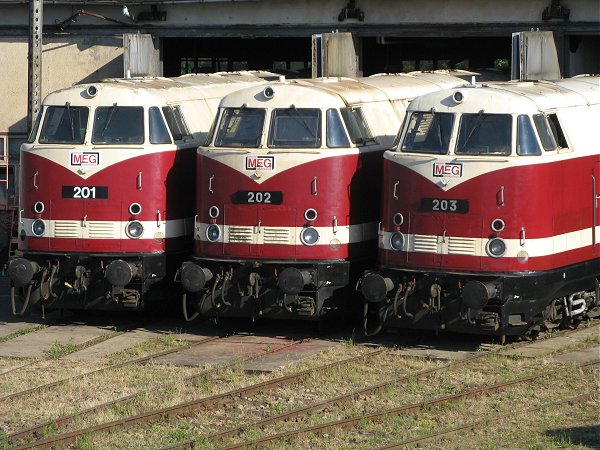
x=518, y=416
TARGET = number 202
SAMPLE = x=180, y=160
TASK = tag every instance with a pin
x=84, y=192
x=259, y=197
x=444, y=205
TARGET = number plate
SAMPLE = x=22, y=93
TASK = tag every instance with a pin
x=85, y=192
x=263, y=197
x=444, y=205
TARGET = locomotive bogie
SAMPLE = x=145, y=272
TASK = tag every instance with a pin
x=267, y=290
x=495, y=304
x=99, y=282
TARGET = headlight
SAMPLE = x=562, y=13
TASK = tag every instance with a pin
x=213, y=233
x=134, y=229
x=397, y=241
x=38, y=227
x=496, y=247
x=309, y=236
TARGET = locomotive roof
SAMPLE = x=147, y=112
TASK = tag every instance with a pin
x=156, y=90
x=339, y=91
x=515, y=96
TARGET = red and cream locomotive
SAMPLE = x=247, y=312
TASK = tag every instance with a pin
x=107, y=189
x=288, y=193
x=491, y=210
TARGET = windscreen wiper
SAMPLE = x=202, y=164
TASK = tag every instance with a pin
x=313, y=135
x=70, y=117
x=476, y=125
x=111, y=113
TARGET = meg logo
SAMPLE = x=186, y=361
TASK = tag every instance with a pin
x=85, y=159
x=260, y=163
x=447, y=170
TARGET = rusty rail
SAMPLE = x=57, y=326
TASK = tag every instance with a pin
x=395, y=411
x=478, y=423
x=187, y=407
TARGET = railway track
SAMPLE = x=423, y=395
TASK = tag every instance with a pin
x=62, y=422
x=242, y=395
x=141, y=360
x=405, y=409
x=493, y=417
x=337, y=401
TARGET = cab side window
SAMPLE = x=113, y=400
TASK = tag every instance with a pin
x=176, y=122
x=336, y=135
x=157, y=128
x=557, y=131
x=527, y=143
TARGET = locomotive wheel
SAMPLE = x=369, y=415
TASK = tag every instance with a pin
x=551, y=316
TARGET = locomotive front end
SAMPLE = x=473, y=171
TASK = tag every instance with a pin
x=93, y=226
x=279, y=212
x=478, y=234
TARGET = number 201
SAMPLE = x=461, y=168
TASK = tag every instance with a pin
x=84, y=192
x=259, y=197
x=444, y=205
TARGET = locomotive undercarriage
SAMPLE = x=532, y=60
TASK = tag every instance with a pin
x=263, y=290
x=84, y=281
x=502, y=305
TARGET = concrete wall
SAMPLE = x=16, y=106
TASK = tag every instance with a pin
x=376, y=11
x=64, y=62
x=317, y=12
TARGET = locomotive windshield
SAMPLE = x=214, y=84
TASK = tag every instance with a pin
x=240, y=127
x=428, y=132
x=64, y=125
x=118, y=125
x=484, y=134
x=293, y=127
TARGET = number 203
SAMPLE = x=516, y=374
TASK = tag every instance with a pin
x=444, y=205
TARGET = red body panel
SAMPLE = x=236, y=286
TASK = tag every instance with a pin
x=166, y=186
x=347, y=188
x=543, y=199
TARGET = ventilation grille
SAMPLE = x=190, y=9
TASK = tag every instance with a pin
x=276, y=235
x=461, y=246
x=424, y=244
x=67, y=228
x=101, y=230
x=241, y=235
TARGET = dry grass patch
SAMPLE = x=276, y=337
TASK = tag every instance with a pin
x=159, y=386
